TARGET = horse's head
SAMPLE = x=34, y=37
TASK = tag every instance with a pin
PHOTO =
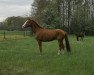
x=27, y=23
x=31, y=23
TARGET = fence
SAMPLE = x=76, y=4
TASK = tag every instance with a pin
x=15, y=34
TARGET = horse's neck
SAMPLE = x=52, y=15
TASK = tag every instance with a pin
x=36, y=28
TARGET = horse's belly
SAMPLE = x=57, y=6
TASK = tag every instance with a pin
x=46, y=38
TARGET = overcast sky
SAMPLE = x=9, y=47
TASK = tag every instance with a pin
x=10, y=8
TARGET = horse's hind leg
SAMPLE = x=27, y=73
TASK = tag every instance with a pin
x=62, y=51
x=61, y=46
x=59, y=51
x=82, y=38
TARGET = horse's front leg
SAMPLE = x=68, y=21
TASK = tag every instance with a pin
x=77, y=38
x=82, y=38
x=40, y=46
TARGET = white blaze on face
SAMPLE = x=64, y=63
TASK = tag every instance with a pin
x=24, y=24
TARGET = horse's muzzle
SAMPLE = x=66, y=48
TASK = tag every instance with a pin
x=23, y=26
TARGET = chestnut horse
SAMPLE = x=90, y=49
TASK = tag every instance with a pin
x=45, y=35
x=80, y=35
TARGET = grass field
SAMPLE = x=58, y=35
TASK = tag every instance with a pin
x=20, y=56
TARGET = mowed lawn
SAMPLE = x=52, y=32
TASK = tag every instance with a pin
x=20, y=56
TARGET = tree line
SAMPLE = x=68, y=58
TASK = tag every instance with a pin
x=71, y=15
x=13, y=23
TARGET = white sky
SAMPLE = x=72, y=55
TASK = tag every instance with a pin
x=10, y=8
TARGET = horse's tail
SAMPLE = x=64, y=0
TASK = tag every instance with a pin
x=67, y=43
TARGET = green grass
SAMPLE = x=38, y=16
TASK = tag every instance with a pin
x=20, y=56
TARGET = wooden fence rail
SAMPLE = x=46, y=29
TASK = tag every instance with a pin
x=6, y=34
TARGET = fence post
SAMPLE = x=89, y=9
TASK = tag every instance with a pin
x=4, y=35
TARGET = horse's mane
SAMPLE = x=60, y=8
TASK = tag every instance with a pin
x=35, y=23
